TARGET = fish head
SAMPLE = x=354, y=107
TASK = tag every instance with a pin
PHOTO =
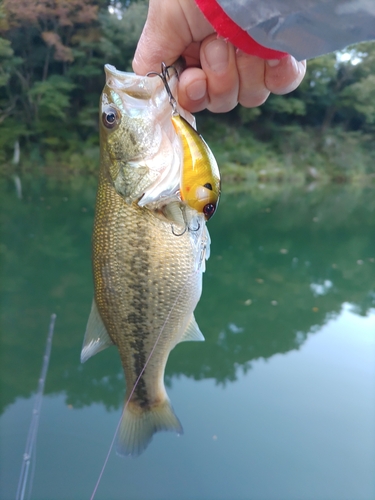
x=139, y=148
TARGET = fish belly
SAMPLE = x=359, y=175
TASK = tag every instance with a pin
x=146, y=289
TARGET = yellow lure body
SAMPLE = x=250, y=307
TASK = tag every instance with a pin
x=200, y=178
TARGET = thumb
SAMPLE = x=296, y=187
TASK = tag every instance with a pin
x=170, y=28
x=165, y=36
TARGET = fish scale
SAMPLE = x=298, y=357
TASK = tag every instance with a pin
x=139, y=269
x=147, y=280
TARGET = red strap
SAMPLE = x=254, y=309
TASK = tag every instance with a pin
x=228, y=29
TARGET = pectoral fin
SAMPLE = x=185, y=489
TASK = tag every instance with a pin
x=132, y=180
x=192, y=331
x=175, y=212
x=96, y=337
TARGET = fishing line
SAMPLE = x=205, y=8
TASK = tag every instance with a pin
x=30, y=451
x=136, y=383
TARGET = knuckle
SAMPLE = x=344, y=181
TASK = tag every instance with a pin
x=253, y=99
x=221, y=105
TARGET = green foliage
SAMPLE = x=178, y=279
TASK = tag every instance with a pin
x=287, y=106
x=51, y=73
x=293, y=153
x=359, y=98
x=51, y=77
x=52, y=97
x=248, y=115
x=321, y=76
x=120, y=36
x=5, y=48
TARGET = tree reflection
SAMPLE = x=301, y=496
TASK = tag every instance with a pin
x=279, y=269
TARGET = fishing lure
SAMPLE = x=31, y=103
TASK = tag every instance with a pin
x=200, y=176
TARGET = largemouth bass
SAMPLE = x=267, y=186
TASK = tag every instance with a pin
x=147, y=272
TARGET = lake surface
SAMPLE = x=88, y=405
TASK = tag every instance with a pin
x=278, y=403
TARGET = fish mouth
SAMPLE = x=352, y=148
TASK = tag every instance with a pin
x=137, y=86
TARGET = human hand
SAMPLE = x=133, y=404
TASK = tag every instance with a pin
x=217, y=76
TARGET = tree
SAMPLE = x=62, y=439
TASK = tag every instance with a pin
x=52, y=55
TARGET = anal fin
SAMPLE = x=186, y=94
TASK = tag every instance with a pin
x=96, y=337
x=192, y=331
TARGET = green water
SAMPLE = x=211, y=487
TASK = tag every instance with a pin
x=277, y=404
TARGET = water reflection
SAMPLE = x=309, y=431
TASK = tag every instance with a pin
x=279, y=270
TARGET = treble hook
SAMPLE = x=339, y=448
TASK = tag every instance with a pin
x=187, y=228
x=164, y=75
x=183, y=232
x=195, y=229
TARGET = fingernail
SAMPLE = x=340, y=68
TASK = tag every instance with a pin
x=196, y=90
x=217, y=55
x=296, y=65
x=273, y=62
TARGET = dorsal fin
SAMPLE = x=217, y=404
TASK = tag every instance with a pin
x=96, y=337
x=192, y=331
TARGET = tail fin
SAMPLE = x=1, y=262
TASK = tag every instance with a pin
x=139, y=425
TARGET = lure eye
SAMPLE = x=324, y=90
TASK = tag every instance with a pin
x=110, y=118
x=209, y=210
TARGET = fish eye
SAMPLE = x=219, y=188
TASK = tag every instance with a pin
x=110, y=117
x=209, y=210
